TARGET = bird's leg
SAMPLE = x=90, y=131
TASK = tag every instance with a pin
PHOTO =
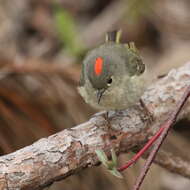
x=146, y=110
x=107, y=116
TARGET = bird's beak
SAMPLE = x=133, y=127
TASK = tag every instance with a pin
x=99, y=94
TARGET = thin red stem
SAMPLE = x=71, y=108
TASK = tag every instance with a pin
x=167, y=126
x=150, y=142
x=139, y=154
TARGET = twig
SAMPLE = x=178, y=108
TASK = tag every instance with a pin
x=166, y=127
x=139, y=154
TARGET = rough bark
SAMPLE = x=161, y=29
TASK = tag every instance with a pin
x=71, y=150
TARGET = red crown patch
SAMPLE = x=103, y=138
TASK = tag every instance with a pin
x=98, y=66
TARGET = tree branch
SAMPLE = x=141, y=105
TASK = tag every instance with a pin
x=71, y=150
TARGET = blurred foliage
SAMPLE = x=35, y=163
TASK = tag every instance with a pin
x=67, y=32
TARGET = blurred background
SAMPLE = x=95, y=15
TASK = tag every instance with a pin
x=42, y=45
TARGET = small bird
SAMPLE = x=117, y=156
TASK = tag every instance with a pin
x=113, y=75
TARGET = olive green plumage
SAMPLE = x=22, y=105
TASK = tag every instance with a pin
x=119, y=82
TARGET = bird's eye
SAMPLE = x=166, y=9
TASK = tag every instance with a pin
x=109, y=81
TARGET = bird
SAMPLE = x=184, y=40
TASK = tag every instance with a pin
x=113, y=75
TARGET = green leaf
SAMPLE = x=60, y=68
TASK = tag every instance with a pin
x=102, y=157
x=111, y=165
x=114, y=157
x=116, y=173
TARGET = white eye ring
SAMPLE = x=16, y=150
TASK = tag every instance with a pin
x=109, y=81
